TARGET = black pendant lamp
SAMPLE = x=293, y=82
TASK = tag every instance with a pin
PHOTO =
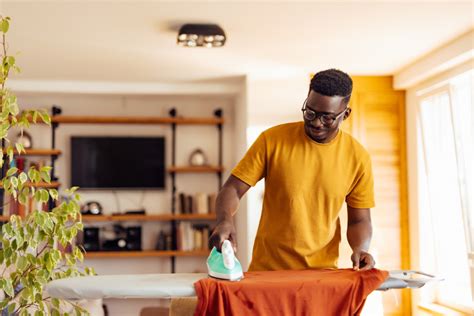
x=201, y=35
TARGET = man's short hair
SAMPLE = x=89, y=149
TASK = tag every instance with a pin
x=332, y=82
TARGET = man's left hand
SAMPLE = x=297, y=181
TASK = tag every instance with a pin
x=362, y=260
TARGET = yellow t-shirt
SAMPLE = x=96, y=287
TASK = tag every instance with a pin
x=306, y=184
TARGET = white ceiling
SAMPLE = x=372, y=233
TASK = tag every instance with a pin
x=133, y=41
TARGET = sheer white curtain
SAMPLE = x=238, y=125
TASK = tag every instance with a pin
x=446, y=125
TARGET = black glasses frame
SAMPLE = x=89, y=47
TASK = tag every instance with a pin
x=326, y=119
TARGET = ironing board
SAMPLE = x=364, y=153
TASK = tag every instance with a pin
x=173, y=285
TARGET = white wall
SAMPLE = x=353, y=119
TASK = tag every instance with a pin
x=269, y=102
x=154, y=201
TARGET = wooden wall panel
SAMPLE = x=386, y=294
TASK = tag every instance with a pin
x=378, y=122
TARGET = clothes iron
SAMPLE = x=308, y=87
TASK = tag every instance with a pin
x=224, y=265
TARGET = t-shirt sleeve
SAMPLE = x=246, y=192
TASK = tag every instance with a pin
x=252, y=167
x=362, y=192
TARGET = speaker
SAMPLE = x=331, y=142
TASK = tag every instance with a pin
x=134, y=238
x=91, y=239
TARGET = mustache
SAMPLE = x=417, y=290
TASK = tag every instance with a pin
x=315, y=128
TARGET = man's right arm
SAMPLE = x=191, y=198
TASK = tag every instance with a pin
x=227, y=203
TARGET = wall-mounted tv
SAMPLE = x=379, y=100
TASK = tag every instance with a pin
x=118, y=162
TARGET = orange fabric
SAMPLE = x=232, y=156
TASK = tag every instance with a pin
x=299, y=292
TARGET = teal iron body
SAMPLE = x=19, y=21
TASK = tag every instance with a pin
x=224, y=265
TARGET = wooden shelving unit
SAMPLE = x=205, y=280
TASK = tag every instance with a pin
x=147, y=218
x=196, y=169
x=145, y=253
x=140, y=218
x=173, y=120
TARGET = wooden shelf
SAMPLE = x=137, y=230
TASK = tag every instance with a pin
x=63, y=119
x=195, y=169
x=52, y=185
x=147, y=218
x=145, y=253
x=38, y=152
x=4, y=218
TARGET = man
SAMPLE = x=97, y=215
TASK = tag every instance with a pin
x=310, y=169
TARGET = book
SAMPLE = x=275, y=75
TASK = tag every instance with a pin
x=201, y=203
x=212, y=198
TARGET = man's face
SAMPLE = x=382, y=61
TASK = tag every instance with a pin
x=331, y=107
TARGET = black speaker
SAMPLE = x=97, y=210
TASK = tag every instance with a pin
x=91, y=239
x=134, y=238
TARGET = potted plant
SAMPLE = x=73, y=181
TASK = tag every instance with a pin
x=38, y=247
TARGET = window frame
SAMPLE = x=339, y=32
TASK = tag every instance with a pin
x=444, y=87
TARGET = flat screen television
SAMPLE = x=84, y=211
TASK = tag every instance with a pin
x=118, y=162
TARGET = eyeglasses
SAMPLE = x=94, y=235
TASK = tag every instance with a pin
x=326, y=119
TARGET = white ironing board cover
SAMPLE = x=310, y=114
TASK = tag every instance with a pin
x=125, y=286
x=177, y=285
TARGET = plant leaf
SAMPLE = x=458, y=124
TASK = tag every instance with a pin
x=22, y=263
x=54, y=194
x=11, y=308
x=8, y=287
x=45, y=116
x=23, y=177
x=55, y=302
x=20, y=148
x=4, y=26
x=46, y=176
x=12, y=171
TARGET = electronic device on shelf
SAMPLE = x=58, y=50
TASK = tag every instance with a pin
x=134, y=238
x=123, y=238
x=118, y=162
x=90, y=239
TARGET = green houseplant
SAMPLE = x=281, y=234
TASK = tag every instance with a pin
x=38, y=247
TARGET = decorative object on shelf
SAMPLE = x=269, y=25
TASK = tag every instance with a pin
x=201, y=35
x=91, y=208
x=24, y=138
x=198, y=158
x=161, y=242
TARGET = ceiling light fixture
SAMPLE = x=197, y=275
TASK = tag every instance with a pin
x=201, y=35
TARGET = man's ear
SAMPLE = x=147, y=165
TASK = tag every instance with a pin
x=347, y=114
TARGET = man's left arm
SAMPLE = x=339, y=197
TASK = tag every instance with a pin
x=359, y=234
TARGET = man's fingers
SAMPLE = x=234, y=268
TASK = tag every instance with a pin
x=233, y=240
x=355, y=261
x=367, y=262
x=215, y=241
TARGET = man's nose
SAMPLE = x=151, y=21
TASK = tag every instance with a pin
x=317, y=122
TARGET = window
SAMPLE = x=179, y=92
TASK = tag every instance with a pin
x=446, y=127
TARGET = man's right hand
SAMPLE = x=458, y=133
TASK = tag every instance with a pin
x=224, y=230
